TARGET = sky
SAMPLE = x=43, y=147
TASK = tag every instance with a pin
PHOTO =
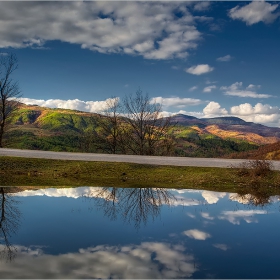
x=205, y=59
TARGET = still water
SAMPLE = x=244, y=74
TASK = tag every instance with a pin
x=110, y=232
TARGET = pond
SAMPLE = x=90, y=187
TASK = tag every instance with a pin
x=89, y=232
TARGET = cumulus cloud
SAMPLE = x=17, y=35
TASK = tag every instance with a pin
x=154, y=31
x=73, y=104
x=197, y=234
x=209, y=88
x=224, y=58
x=235, y=217
x=255, y=12
x=236, y=90
x=176, y=101
x=260, y=113
x=214, y=109
x=149, y=260
x=199, y=69
x=247, y=109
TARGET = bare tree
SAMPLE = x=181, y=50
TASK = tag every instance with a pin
x=147, y=130
x=9, y=91
x=108, y=135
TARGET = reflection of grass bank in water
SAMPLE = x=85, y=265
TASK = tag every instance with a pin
x=45, y=172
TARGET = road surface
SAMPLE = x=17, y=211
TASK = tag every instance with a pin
x=155, y=160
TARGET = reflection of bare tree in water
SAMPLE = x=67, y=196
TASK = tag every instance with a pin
x=9, y=221
x=134, y=204
x=254, y=199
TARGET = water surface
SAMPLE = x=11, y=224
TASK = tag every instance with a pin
x=110, y=232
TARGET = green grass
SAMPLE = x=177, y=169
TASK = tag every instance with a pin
x=45, y=172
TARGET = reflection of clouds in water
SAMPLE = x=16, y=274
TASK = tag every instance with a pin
x=147, y=260
x=63, y=192
x=190, y=215
x=186, y=191
x=207, y=216
x=235, y=217
x=179, y=200
x=223, y=247
x=212, y=197
x=197, y=234
x=93, y=192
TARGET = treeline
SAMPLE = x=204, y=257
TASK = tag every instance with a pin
x=268, y=152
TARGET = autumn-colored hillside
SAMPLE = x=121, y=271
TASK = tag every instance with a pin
x=35, y=127
x=267, y=152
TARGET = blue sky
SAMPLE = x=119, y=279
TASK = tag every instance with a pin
x=205, y=59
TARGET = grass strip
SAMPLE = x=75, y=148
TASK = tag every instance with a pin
x=15, y=171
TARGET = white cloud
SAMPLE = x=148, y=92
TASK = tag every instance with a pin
x=201, y=6
x=209, y=88
x=214, y=109
x=236, y=90
x=255, y=12
x=175, y=67
x=73, y=104
x=260, y=113
x=154, y=31
x=199, y=69
x=193, y=88
x=223, y=247
x=3, y=54
x=251, y=86
x=235, y=217
x=149, y=260
x=176, y=101
x=225, y=58
x=197, y=234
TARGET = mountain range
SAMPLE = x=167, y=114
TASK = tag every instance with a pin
x=35, y=127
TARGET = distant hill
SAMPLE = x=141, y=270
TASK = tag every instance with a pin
x=231, y=128
x=35, y=127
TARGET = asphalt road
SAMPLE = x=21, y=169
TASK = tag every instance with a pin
x=155, y=160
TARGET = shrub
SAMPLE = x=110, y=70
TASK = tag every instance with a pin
x=255, y=168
